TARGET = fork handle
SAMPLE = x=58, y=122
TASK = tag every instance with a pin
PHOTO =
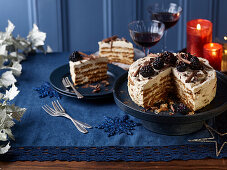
x=79, y=96
x=85, y=125
x=78, y=126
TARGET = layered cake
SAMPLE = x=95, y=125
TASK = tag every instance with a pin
x=117, y=50
x=150, y=79
x=87, y=68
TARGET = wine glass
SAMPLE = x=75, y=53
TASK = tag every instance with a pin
x=146, y=33
x=169, y=14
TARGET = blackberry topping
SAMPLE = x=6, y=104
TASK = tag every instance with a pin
x=181, y=66
x=75, y=56
x=169, y=58
x=187, y=56
x=181, y=108
x=147, y=71
x=195, y=63
x=158, y=63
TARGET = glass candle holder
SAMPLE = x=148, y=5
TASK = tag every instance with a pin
x=199, y=32
x=213, y=53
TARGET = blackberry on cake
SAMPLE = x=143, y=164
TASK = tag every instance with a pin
x=195, y=63
x=87, y=68
x=181, y=66
x=158, y=63
x=75, y=56
x=117, y=50
x=169, y=58
x=147, y=71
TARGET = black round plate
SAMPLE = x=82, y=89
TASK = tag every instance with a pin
x=176, y=124
x=63, y=71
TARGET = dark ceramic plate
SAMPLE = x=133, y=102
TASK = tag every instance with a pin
x=63, y=71
x=171, y=124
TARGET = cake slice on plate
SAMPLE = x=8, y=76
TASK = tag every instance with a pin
x=87, y=68
x=117, y=50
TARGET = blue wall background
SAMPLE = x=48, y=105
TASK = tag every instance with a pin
x=80, y=24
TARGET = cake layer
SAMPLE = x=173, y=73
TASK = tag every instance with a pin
x=91, y=80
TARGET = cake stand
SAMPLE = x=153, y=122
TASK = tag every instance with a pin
x=176, y=124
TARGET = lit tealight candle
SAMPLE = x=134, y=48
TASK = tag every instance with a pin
x=213, y=53
x=199, y=32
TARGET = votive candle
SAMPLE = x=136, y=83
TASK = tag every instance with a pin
x=199, y=32
x=213, y=53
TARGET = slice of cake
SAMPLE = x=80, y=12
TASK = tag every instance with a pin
x=150, y=79
x=117, y=50
x=87, y=68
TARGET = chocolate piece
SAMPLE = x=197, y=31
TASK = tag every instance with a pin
x=171, y=113
x=205, y=72
x=182, y=59
x=105, y=82
x=85, y=86
x=83, y=54
x=206, y=66
x=97, y=89
x=107, y=40
x=137, y=71
x=191, y=76
x=172, y=108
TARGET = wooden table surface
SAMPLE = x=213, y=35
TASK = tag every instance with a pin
x=175, y=164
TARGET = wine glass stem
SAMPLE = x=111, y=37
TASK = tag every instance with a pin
x=164, y=42
x=146, y=51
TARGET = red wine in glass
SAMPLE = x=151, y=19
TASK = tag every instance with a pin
x=168, y=18
x=145, y=39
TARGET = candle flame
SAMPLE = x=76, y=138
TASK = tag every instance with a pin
x=211, y=44
x=225, y=51
x=198, y=27
x=225, y=37
x=213, y=53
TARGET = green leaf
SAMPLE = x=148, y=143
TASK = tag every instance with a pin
x=15, y=111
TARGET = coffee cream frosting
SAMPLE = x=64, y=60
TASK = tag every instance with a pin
x=87, y=71
x=117, y=50
x=196, y=94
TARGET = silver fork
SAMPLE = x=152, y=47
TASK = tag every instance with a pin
x=65, y=85
x=68, y=83
x=59, y=111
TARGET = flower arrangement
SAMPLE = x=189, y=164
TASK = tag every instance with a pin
x=12, y=52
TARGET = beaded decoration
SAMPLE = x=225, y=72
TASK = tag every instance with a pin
x=118, y=125
x=46, y=90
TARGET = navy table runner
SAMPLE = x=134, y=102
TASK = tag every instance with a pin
x=38, y=136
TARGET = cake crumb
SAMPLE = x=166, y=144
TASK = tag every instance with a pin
x=191, y=113
x=97, y=89
x=163, y=107
x=105, y=82
x=171, y=113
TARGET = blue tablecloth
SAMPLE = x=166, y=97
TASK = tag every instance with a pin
x=38, y=129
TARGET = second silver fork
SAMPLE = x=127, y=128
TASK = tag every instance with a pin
x=59, y=111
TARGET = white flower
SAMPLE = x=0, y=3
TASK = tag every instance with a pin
x=13, y=92
x=4, y=149
x=7, y=79
x=8, y=34
x=3, y=50
x=36, y=37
